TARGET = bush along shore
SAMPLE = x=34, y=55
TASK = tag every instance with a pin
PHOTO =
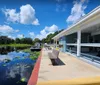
x=33, y=55
x=4, y=49
x=16, y=45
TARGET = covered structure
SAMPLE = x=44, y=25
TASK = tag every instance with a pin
x=83, y=37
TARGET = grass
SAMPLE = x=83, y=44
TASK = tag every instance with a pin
x=27, y=50
x=33, y=55
x=15, y=45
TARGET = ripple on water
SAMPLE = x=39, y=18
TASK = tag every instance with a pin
x=17, y=71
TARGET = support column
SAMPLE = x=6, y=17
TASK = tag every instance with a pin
x=53, y=43
x=56, y=43
x=78, y=43
x=64, y=44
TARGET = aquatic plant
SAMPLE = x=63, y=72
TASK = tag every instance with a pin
x=33, y=55
x=6, y=60
x=23, y=79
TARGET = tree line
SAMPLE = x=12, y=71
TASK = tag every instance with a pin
x=48, y=39
x=7, y=40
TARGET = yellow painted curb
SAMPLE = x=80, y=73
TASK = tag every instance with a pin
x=78, y=81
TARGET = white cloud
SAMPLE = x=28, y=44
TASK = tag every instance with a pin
x=42, y=34
x=52, y=28
x=5, y=29
x=11, y=37
x=16, y=30
x=77, y=11
x=36, y=22
x=31, y=34
x=11, y=15
x=61, y=5
x=25, y=16
x=20, y=36
x=46, y=31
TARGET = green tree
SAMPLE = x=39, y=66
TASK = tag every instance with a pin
x=28, y=40
x=36, y=40
x=49, y=39
x=5, y=40
x=17, y=40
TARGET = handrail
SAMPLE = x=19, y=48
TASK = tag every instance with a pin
x=72, y=51
x=89, y=56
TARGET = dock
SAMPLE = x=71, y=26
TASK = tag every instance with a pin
x=73, y=70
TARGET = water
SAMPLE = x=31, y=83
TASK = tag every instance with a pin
x=15, y=68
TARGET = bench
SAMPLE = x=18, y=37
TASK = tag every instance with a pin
x=54, y=54
x=54, y=57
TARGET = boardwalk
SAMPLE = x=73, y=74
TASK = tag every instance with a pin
x=73, y=68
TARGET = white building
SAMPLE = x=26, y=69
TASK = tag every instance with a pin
x=83, y=37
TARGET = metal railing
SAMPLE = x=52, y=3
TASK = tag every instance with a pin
x=71, y=51
x=93, y=58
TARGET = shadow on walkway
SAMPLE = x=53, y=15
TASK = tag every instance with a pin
x=57, y=62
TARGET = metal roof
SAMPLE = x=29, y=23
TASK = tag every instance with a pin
x=87, y=16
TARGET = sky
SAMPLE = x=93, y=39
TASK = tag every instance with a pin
x=38, y=18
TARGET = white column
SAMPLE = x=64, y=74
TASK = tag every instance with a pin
x=78, y=43
x=64, y=43
x=56, y=43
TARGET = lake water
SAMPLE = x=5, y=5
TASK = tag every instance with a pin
x=15, y=68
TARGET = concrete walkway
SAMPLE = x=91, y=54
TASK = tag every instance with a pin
x=73, y=68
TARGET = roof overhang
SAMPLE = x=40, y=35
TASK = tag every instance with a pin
x=89, y=20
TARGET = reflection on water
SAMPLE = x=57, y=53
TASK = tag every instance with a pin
x=15, y=68
x=14, y=55
x=6, y=49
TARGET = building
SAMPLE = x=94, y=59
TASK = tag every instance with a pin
x=83, y=37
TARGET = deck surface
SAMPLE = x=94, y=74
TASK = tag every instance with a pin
x=73, y=68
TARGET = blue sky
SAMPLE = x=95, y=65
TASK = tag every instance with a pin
x=38, y=18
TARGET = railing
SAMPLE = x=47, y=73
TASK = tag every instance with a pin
x=71, y=51
x=93, y=58
x=91, y=44
x=85, y=44
x=72, y=44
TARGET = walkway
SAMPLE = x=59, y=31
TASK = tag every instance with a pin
x=73, y=68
